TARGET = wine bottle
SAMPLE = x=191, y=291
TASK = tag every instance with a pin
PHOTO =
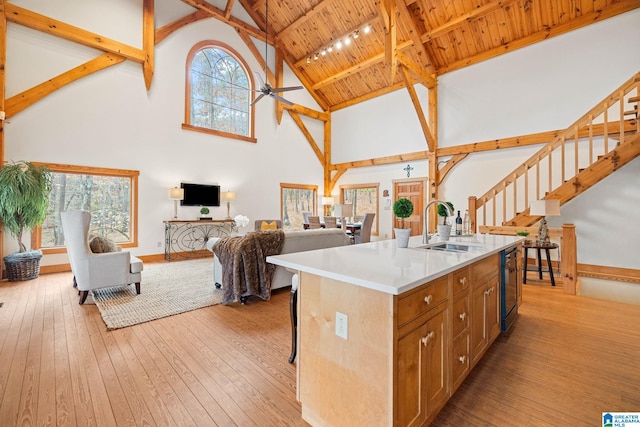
x=458, y=225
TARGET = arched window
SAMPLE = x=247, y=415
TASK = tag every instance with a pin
x=218, y=94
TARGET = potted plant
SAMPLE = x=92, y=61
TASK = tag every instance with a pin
x=444, y=229
x=402, y=208
x=24, y=198
x=523, y=234
x=204, y=211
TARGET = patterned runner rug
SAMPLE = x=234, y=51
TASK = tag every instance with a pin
x=166, y=289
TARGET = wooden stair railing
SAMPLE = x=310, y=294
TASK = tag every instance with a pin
x=597, y=144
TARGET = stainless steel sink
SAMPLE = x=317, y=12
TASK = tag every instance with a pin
x=448, y=247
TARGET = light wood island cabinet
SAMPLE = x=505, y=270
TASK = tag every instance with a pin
x=405, y=354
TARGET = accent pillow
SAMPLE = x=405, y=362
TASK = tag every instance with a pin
x=100, y=245
x=268, y=225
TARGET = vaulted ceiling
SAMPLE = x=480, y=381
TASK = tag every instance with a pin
x=421, y=39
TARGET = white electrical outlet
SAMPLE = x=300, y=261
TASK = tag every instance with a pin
x=342, y=325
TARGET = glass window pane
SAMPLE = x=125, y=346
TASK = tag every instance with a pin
x=108, y=198
x=220, y=92
x=364, y=199
x=296, y=200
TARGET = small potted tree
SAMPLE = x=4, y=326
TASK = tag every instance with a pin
x=203, y=212
x=444, y=229
x=402, y=208
x=24, y=198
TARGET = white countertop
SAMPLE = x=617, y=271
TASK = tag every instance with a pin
x=384, y=267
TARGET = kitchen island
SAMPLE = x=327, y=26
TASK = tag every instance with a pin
x=386, y=334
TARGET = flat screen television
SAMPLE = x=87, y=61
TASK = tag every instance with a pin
x=200, y=194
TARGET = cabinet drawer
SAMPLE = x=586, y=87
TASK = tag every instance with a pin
x=459, y=360
x=460, y=280
x=424, y=299
x=460, y=315
x=485, y=268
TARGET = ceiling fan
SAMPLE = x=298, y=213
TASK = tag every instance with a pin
x=265, y=88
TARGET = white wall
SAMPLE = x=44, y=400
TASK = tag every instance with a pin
x=543, y=87
x=110, y=120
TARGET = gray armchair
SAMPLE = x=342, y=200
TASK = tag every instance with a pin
x=96, y=270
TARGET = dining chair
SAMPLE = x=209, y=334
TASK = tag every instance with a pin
x=364, y=234
x=314, y=222
x=330, y=222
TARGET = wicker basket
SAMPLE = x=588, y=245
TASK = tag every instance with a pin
x=23, y=266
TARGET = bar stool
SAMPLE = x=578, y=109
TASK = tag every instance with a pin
x=539, y=247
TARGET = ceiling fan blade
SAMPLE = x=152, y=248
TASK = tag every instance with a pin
x=281, y=99
x=284, y=89
x=259, y=76
x=257, y=99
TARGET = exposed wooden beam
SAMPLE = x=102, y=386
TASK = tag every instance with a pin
x=258, y=55
x=148, y=41
x=51, y=26
x=228, y=8
x=426, y=79
x=390, y=37
x=305, y=111
x=314, y=146
x=524, y=140
x=19, y=102
x=336, y=177
x=433, y=110
x=166, y=30
x=589, y=18
x=358, y=67
x=466, y=17
x=300, y=74
x=327, y=157
x=409, y=22
x=387, y=160
x=279, y=82
x=232, y=20
x=442, y=173
x=431, y=141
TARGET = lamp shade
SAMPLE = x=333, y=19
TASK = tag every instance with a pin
x=343, y=210
x=176, y=193
x=550, y=207
x=228, y=196
x=327, y=200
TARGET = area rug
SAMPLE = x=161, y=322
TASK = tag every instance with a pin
x=166, y=289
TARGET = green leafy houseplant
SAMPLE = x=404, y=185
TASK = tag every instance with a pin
x=442, y=211
x=403, y=208
x=24, y=198
x=522, y=233
x=204, y=211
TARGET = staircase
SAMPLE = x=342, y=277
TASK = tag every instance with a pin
x=603, y=140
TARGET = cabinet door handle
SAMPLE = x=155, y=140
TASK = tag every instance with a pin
x=463, y=280
x=426, y=339
x=462, y=316
x=462, y=359
x=428, y=299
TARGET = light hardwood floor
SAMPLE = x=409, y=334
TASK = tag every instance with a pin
x=566, y=360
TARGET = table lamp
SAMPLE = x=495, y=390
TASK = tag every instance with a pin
x=544, y=208
x=228, y=196
x=342, y=211
x=176, y=194
x=327, y=201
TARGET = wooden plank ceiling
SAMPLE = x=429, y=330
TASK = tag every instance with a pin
x=431, y=37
